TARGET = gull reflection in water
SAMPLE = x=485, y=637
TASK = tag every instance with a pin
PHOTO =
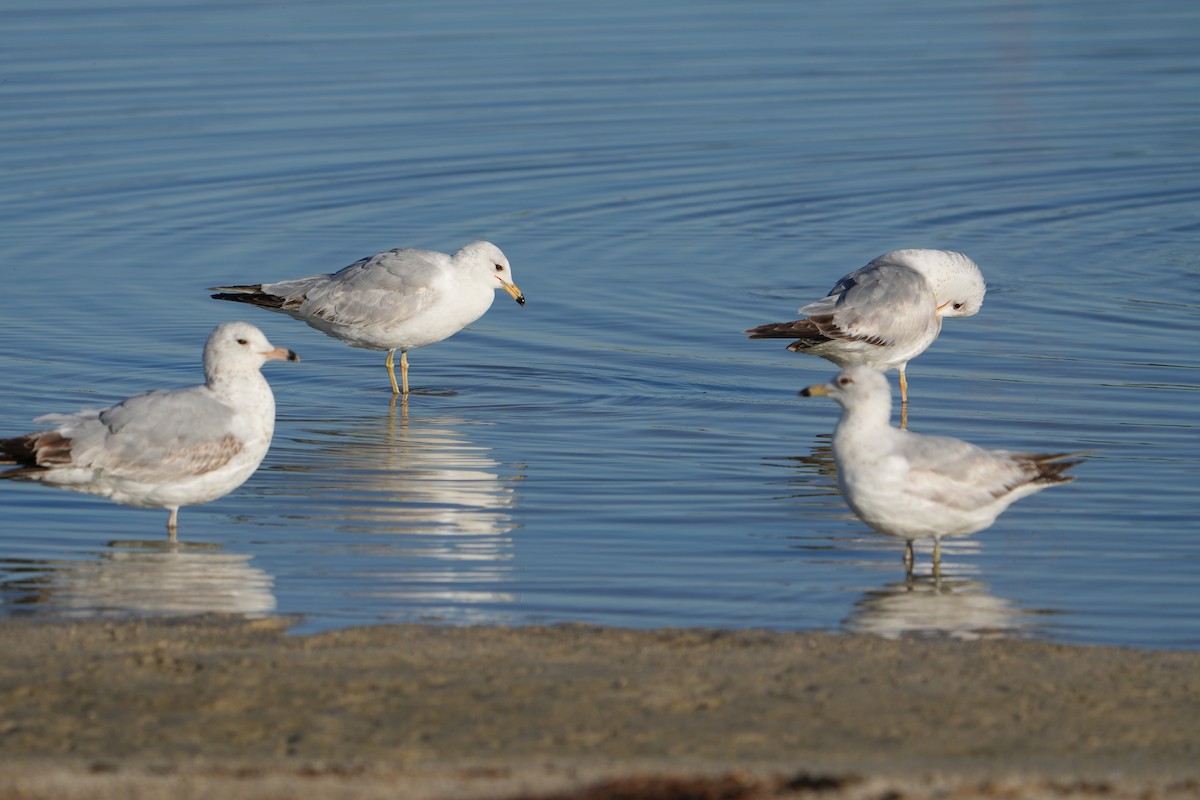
x=140, y=577
x=426, y=507
x=947, y=607
x=950, y=605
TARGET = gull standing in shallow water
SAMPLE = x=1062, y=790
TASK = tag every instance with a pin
x=913, y=486
x=392, y=301
x=886, y=313
x=166, y=448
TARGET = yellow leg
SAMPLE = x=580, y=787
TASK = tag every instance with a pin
x=390, y=363
x=404, y=371
x=173, y=524
x=937, y=556
x=903, y=400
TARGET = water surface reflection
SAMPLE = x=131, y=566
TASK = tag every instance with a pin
x=422, y=514
x=140, y=577
x=954, y=608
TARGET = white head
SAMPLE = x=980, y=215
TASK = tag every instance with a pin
x=488, y=260
x=856, y=388
x=958, y=285
x=239, y=347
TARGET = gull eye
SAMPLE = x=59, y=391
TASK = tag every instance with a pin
x=845, y=381
x=957, y=306
x=242, y=341
x=499, y=268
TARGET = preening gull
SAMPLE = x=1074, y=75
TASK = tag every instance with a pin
x=165, y=448
x=914, y=486
x=886, y=313
x=397, y=300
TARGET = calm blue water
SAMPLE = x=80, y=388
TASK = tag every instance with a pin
x=662, y=176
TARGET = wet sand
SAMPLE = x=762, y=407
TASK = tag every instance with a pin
x=217, y=706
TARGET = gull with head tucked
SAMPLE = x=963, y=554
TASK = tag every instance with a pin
x=914, y=486
x=166, y=448
x=398, y=300
x=886, y=313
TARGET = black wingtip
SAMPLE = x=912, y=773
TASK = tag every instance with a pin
x=259, y=299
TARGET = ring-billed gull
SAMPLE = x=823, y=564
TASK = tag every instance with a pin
x=397, y=300
x=914, y=486
x=166, y=448
x=886, y=313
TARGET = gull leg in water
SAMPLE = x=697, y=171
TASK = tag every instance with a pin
x=390, y=364
x=402, y=389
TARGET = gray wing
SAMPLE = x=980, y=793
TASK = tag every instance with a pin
x=880, y=303
x=382, y=289
x=159, y=435
x=961, y=475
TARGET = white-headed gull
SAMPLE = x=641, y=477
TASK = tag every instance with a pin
x=397, y=300
x=886, y=313
x=166, y=448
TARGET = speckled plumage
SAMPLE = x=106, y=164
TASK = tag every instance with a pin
x=165, y=448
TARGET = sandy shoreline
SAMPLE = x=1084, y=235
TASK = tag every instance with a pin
x=189, y=708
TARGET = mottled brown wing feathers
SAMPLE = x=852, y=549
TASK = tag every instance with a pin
x=45, y=450
x=1050, y=468
x=34, y=452
x=1045, y=469
x=199, y=459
